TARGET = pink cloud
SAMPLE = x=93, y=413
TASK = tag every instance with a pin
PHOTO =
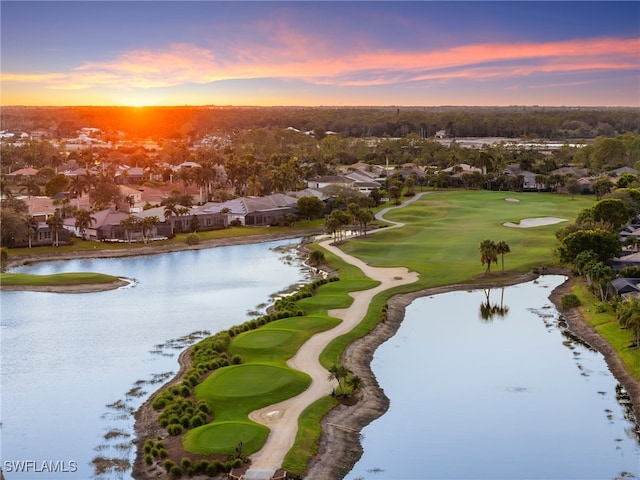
x=291, y=55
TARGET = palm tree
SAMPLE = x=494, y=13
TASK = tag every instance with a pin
x=30, y=185
x=629, y=317
x=129, y=224
x=502, y=247
x=355, y=382
x=340, y=373
x=226, y=211
x=55, y=223
x=84, y=220
x=170, y=210
x=79, y=185
x=147, y=226
x=488, y=254
x=32, y=227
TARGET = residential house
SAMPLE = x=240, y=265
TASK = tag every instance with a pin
x=105, y=227
x=331, y=180
x=255, y=211
x=625, y=287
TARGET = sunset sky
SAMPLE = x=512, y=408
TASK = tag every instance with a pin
x=320, y=53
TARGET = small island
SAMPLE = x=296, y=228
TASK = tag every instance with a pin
x=73, y=282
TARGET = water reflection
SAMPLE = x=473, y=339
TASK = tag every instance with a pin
x=512, y=399
x=490, y=310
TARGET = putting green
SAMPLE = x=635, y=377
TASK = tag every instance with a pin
x=241, y=381
x=263, y=338
x=223, y=437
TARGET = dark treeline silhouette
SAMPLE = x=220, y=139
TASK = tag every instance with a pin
x=182, y=122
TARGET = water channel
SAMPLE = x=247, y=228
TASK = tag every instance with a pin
x=485, y=385
x=75, y=366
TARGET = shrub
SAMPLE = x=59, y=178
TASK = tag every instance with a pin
x=174, y=429
x=168, y=465
x=176, y=471
x=214, y=468
x=148, y=459
x=600, y=307
x=192, y=239
x=570, y=300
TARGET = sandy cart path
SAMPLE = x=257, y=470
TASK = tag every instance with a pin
x=282, y=418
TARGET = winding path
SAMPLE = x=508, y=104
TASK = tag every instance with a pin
x=282, y=418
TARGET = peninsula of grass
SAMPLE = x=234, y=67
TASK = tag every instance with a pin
x=56, y=279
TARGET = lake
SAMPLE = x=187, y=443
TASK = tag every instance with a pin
x=507, y=396
x=75, y=366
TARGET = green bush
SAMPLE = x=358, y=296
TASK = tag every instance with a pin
x=570, y=300
x=148, y=459
x=174, y=429
x=192, y=239
x=600, y=307
x=168, y=465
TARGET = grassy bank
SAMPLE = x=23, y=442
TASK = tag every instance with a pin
x=85, y=246
x=603, y=319
x=56, y=279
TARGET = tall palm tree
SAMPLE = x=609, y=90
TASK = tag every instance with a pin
x=170, y=210
x=225, y=212
x=55, y=223
x=502, y=247
x=32, y=227
x=147, y=226
x=84, y=220
x=488, y=254
x=629, y=317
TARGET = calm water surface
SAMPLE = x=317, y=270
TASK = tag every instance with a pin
x=505, y=397
x=74, y=366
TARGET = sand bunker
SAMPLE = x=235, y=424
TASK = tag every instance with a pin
x=535, y=222
x=512, y=200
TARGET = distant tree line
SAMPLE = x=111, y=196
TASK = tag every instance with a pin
x=354, y=122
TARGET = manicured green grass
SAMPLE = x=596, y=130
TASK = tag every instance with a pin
x=444, y=231
x=223, y=437
x=440, y=241
x=308, y=436
x=262, y=379
x=76, y=278
x=606, y=324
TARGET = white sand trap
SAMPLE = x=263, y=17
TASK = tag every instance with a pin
x=535, y=222
x=512, y=200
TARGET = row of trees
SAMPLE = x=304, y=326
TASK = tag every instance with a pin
x=489, y=251
x=593, y=240
x=181, y=122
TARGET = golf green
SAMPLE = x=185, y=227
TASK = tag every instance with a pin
x=223, y=437
x=241, y=381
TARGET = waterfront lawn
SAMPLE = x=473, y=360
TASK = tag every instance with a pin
x=80, y=245
x=73, y=278
x=606, y=324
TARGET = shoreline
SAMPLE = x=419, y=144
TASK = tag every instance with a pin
x=340, y=447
